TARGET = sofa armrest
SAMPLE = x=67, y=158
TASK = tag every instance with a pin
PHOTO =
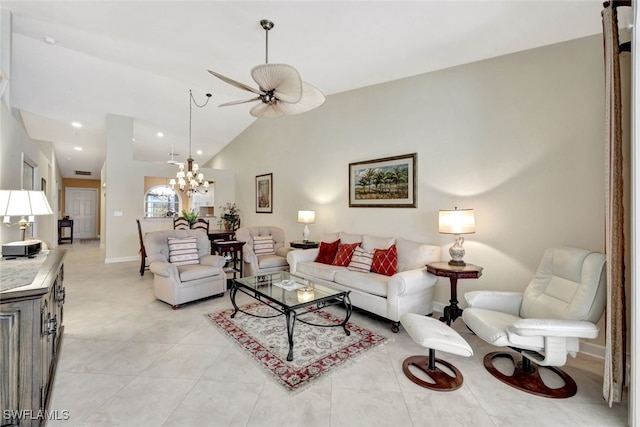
x=164, y=269
x=283, y=251
x=504, y=302
x=300, y=255
x=554, y=328
x=410, y=281
x=213, y=260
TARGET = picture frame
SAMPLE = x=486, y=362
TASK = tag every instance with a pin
x=388, y=182
x=43, y=185
x=264, y=193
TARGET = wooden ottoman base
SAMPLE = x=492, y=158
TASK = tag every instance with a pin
x=442, y=381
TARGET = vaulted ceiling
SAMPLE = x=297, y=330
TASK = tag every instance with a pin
x=81, y=60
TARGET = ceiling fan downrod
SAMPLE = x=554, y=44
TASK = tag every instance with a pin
x=267, y=25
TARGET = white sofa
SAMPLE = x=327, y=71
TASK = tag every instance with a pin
x=409, y=290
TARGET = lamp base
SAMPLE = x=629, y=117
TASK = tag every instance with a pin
x=457, y=263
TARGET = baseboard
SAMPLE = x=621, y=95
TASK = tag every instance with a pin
x=122, y=259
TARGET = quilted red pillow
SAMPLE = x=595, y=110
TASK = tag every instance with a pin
x=345, y=251
x=385, y=261
x=327, y=252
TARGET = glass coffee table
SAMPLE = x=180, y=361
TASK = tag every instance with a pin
x=291, y=296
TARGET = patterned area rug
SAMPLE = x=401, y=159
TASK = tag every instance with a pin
x=316, y=350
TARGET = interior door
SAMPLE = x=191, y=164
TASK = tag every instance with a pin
x=81, y=204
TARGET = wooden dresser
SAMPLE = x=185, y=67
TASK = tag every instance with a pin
x=32, y=296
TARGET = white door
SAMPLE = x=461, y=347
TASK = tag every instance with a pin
x=81, y=204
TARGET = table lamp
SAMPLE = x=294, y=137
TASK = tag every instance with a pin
x=23, y=203
x=456, y=221
x=306, y=218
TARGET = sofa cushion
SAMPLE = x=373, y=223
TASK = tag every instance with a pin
x=343, y=256
x=371, y=283
x=263, y=245
x=183, y=251
x=385, y=261
x=361, y=260
x=319, y=270
x=328, y=238
x=414, y=255
x=327, y=252
x=195, y=272
x=271, y=260
x=370, y=243
x=350, y=238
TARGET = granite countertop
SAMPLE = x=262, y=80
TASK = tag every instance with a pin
x=20, y=271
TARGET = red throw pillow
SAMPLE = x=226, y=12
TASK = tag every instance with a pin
x=385, y=261
x=345, y=251
x=327, y=252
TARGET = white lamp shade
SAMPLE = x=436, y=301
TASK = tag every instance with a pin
x=24, y=203
x=456, y=221
x=306, y=217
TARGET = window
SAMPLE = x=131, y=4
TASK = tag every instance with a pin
x=161, y=202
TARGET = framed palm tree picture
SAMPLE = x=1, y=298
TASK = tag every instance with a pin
x=383, y=183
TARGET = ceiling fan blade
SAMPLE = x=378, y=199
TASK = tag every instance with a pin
x=266, y=111
x=283, y=79
x=312, y=97
x=235, y=83
x=226, y=104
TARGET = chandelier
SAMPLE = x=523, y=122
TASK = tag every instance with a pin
x=190, y=181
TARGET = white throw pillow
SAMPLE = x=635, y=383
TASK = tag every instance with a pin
x=263, y=245
x=350, y=238
x=183, y=251
x=361, y=260
x=369, y=243
x=414, y=255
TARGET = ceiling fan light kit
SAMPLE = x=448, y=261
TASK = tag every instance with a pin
x=281, y=89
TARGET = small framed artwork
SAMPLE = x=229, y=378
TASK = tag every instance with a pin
x=43, y=185
x=383, y=183
x=264, y=193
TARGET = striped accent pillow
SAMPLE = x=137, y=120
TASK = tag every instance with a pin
x=183, y=251
x=361, y=260
x=263, y=245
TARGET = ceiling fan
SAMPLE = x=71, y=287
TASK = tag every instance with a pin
x=172, y=161
x=281, y=89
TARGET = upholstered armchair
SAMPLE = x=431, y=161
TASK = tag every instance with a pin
x=560, y=305
x=264, y=250
x=183, y=269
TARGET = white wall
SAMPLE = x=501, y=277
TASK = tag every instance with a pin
x=124, y=191
x=518, y=138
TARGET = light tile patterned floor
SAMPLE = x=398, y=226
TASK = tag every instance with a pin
x=129, y=360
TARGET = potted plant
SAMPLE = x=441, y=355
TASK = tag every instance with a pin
x=191, y=216
x=230, y=215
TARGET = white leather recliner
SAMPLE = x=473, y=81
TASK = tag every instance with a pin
x=562, y=304
x=178, y=284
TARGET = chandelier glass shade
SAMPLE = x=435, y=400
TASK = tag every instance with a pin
x=191, y=181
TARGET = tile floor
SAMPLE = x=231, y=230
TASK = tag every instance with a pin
x=129, y=360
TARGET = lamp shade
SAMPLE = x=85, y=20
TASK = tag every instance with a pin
x=456, y=221
x=306, y=217
x=24, y=203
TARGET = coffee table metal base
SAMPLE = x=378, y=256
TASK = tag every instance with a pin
x=291, y=315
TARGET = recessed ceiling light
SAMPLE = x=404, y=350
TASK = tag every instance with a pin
x=77, y=148
x=76, y=124
x=160, y=134
x=49, y=40
x=199, y=152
